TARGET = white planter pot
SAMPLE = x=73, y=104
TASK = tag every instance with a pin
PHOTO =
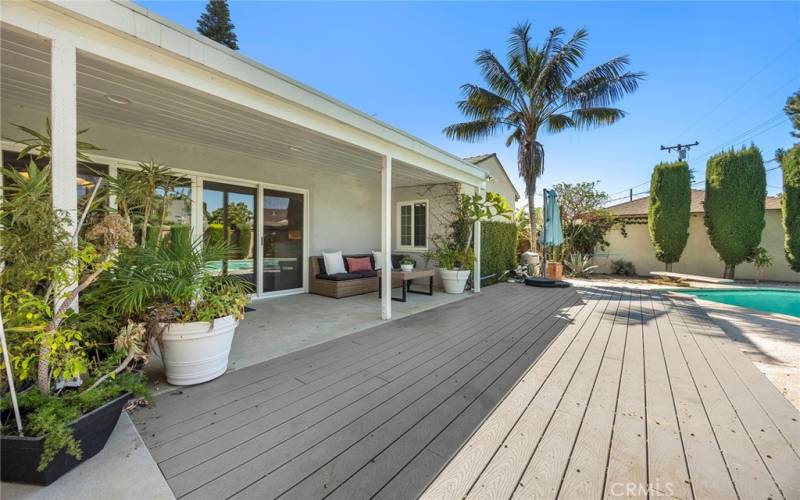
x=197, y=352
x=454, y=281
x=407, y=267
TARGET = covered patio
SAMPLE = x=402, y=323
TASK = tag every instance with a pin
x=309, y=173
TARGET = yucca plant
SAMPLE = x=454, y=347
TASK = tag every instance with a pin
x=580, y=265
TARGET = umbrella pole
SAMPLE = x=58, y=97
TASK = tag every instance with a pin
x=544, y=233
x=10, y=376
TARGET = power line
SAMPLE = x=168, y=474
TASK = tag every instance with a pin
x=738, y=89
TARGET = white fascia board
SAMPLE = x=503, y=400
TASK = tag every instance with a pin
x=127, y=33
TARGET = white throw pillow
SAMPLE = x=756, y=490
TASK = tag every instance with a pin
x=378, y=258
x=334, y=263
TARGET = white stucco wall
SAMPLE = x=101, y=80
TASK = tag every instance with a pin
x=344, y=212
x=699, y=257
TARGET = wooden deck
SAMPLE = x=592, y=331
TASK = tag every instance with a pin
x=640, y=396
x=556, y=392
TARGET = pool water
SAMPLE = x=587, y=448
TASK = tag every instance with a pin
x=762, y=299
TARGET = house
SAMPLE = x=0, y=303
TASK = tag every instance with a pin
x=699, y=257
x=303, y=171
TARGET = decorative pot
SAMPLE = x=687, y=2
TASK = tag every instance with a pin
x=554, y=271
x=407, y=267
x=454, y=280
x=21, y=455
x=197, y=352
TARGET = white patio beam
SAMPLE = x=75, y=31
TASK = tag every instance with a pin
x=476, y=234
x=386, y=238
x=64, y=122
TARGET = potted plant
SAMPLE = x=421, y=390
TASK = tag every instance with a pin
x=192, y=309
x=407, y=264
x=454, y=254
x=73, y=383
x=454, y=264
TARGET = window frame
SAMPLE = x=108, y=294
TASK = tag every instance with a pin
x=398, y=243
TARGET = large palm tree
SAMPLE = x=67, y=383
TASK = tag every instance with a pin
x=536, y=92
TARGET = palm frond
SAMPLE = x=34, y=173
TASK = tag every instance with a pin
x=585, y=118
x=604, y=84
x=497, y=76
x=558, y=123
x=480, y=103
x=559, y=68
x=473, y=131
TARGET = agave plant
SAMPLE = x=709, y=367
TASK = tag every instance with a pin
x=580, y=265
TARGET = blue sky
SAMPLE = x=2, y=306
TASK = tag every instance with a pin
x=717, y=72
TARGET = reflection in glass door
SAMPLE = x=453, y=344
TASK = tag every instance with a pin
x=229, y=215
x=283, y=240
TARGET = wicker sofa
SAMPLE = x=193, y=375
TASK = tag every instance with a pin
x=346, y=284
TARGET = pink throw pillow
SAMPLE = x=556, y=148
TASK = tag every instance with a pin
x=356, y=264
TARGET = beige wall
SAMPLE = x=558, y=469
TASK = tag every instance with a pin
x=699, y=257
x=344, y=212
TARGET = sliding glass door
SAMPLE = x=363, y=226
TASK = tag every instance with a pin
x=229, y=215
x=283, y=214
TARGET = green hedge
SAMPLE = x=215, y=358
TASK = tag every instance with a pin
x=214, y=234
x=669, y=211
x=736, y=185
x=180, y=232
x=498, y=247
x=243, y=237
x=790, y=206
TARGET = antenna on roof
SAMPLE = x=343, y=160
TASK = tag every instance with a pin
x=680, y=148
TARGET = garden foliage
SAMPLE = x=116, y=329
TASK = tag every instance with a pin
x=498, y=247
x=790, y=206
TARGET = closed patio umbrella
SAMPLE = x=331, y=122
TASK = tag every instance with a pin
x=551, y=232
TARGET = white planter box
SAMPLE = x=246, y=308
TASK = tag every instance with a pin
x=407, y=267
x=454, y=281
x=197, y=352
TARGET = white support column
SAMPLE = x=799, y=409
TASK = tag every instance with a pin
x=64, y=121
x=476, y=279
x=64, y=117
x=386, y=238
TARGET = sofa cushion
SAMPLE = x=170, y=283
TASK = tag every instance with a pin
x=340, y=276
x=334, y=263
x=368, y=274
x=358, y=264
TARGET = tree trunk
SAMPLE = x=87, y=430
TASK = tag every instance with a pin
x=668, y=267
x=730, y=270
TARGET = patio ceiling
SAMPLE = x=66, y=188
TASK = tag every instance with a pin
x=166, y=109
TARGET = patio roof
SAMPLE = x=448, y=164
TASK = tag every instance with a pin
x=188, y=87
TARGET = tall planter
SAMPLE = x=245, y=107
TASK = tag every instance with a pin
x=454, y=280
x=20, y=456
x=197, y=352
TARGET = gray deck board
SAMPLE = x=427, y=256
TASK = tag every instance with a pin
x=523, y=392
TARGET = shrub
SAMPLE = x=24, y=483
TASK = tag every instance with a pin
x=790, y=206
x=214, y=234
x=498, y=247
x=623, y=268
x=736, y=186
x=670, y=206
x=179, y=232
x=579, y=265
x=243, y=239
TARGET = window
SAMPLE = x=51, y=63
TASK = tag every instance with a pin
x=412, y=228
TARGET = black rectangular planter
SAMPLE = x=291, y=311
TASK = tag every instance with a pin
x=20, y=455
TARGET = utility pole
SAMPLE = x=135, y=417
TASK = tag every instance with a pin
x=680, y=148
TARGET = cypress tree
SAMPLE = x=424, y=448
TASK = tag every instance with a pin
x=790, y=206
x=669, y=211
x=215, y=23
x=736, y=185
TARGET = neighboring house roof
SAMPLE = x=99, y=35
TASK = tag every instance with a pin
x=639, y=207
x=476, y=160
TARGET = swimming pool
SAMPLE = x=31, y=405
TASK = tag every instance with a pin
x=761, y=299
